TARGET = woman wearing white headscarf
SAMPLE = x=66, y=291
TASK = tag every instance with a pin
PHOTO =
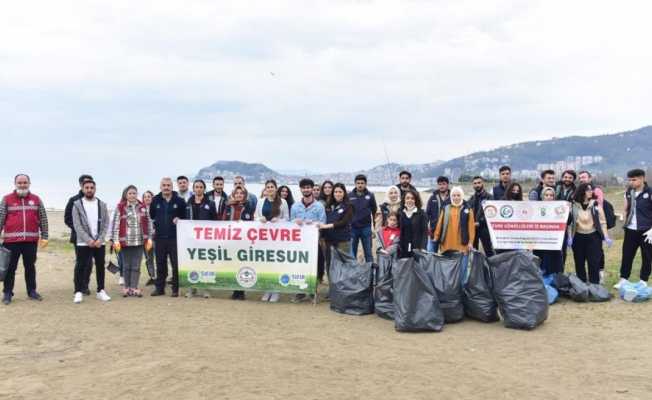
x=455, y=229
x=392, y=203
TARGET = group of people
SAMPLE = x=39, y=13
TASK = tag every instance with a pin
x=145, y=227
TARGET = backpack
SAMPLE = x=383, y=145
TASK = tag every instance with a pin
x=609, y=214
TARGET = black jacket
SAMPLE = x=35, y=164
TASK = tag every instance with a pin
x=67, y=216
x=400, y=189
x=163, y=214
x=434, y=207
x=475, y=202
x=225, y=199
x=559, y=192
x=206, y=209
x=414, y=232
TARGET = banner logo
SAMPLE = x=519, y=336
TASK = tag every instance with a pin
x=246, y=277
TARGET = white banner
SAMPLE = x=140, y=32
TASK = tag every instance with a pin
x=526, y=225
x=243, y=255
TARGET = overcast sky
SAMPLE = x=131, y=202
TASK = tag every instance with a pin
x=132, y=90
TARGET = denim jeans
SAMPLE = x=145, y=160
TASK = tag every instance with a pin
x=464, y=268
x=364, y=235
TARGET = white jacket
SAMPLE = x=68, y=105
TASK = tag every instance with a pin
x=285, y=212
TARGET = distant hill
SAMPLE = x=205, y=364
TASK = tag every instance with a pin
x=230, y=169
x=611, y=154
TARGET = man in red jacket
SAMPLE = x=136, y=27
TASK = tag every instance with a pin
x=23, y=224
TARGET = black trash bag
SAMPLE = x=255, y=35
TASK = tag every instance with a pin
x=598, y=293
x=579, y=290
x=519, y=289
x=478, y=299
x=384, y=289
x=5, y=256
x=446, y=273
x=416, y=306
x=563, y=285
x=350, y=284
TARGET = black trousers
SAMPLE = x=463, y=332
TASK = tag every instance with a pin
x=586, y=250
x=633, y=241
x=551, y=261
x=28, y=252
x=164, y=249
x=84, y=267
x=564, y=252
x=482, y=235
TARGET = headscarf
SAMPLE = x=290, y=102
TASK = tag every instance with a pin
x=457, y=189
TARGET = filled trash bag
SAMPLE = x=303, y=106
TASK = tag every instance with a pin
x=446, y=272
x=579, y=291
x=478, y=301
x=519, y=290
x=635, y=292
x=416, y=306
x=384, y=289
x=553, y=293
x=350, y=284
x=562, y=284
x=598, y=293
x=5, y=256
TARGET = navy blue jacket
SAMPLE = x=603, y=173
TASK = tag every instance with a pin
x=643, y=208
x=340, y=215
x=498, y=191
x=433, y=209
x=364, y=206
x=163, y=214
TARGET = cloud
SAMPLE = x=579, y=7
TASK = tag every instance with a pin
x=323, y=85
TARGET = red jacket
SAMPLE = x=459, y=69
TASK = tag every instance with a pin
x=22, y=223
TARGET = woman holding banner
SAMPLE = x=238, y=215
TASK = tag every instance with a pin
x=455, y=229
x=238, y=209
x=273, y=208
x=323, y=260
x=587, y=230
x=200, y=208
x=337, y=230
x=413, y=222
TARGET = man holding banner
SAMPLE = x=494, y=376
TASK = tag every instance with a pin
x=308, y=211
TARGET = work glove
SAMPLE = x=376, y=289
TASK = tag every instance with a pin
x=648, y=236
x=569, y=241
x=609, y=242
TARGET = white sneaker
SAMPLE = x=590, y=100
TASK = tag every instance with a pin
x=102, y=296
x=121, y=281
x=79, y=296
x=274, y=297
x=266, y=296
x=620, y=283
x=601, y=277
x=642, y=283
x=190, y=293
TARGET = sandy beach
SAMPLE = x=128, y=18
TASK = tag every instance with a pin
x=217, y=348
